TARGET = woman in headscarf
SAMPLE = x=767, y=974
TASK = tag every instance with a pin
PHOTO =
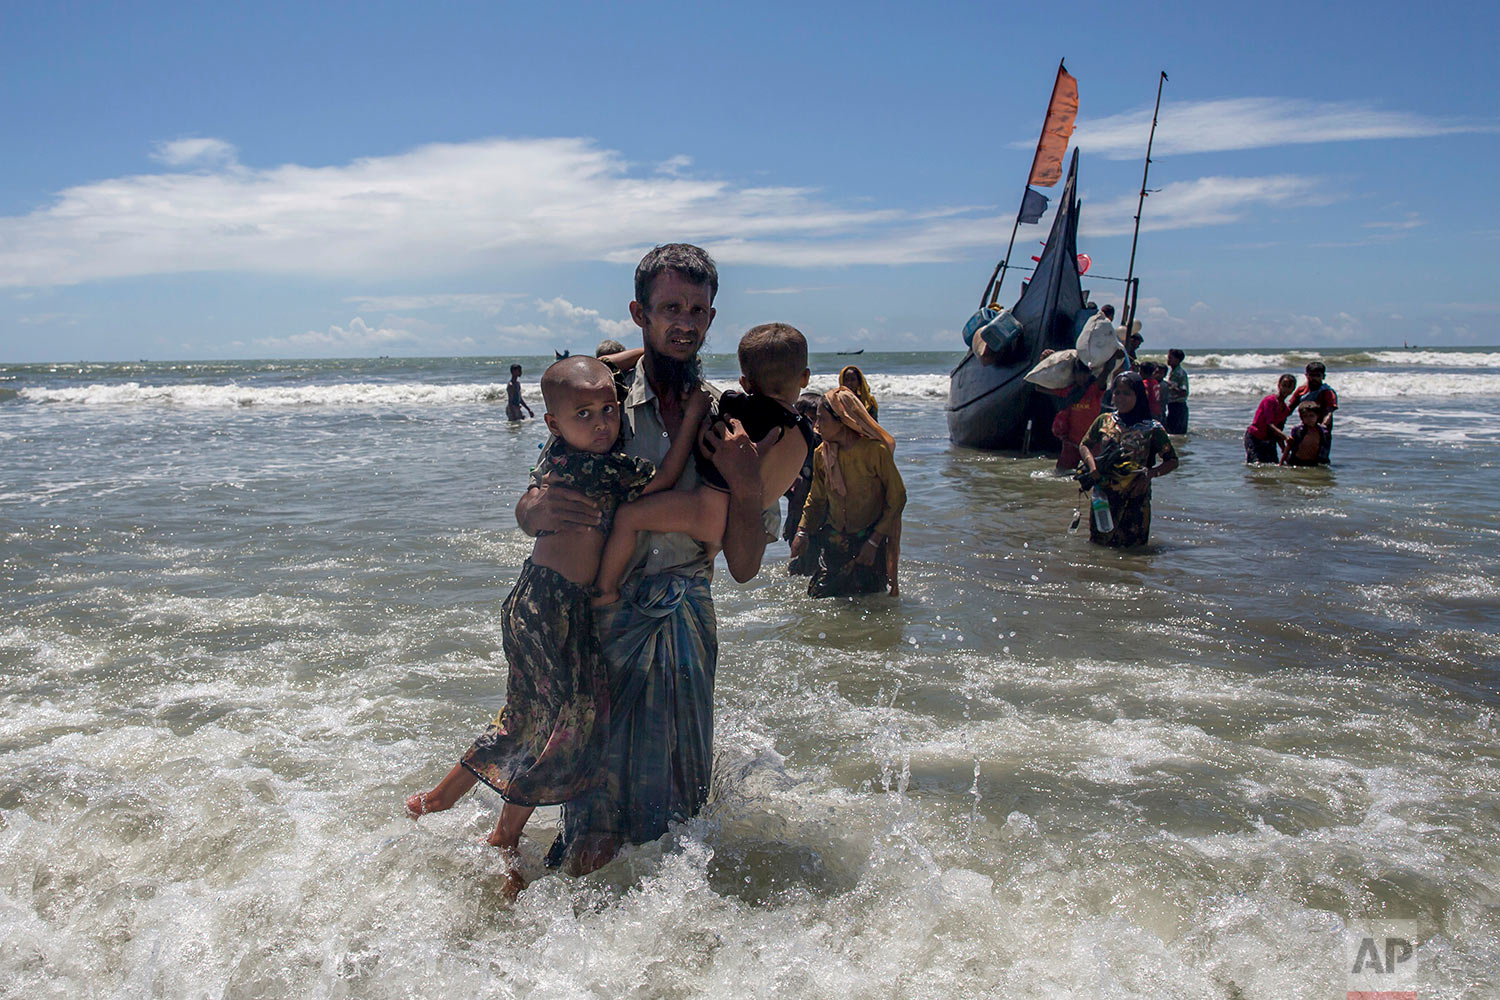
x=1123, y=451
x=853, y=379
x=854, y=506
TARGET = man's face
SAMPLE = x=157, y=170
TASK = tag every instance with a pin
x=676, y=321
x=1314, y=378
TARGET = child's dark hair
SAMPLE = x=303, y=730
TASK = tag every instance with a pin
x=570, y=374
x=515, y=368
x=773, y=357
x=1175, y=353
x=1317, y=368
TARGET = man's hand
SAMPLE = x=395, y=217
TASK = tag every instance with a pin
x=734, y=455
x=868, y=551
x=551, y=507
x=799, y=544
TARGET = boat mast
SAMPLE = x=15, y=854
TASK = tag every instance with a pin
x=1133, y=285
x=998, y=277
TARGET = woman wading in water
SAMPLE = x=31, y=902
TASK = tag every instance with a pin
x=1121, y=452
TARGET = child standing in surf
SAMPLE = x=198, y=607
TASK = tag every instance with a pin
x=1307, y=445
x=545, y=747
x=513, y=400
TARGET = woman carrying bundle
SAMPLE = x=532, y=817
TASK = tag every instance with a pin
x=1120, y=453
x=854, y=506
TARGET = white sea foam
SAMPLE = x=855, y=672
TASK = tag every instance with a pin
x=1358, y=384
x=211, y=396
x=1294, y=360
x=925, y=387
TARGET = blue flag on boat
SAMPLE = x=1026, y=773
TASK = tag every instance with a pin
x=1032, y=207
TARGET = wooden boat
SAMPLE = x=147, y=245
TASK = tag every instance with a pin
x=992, y=406
x=860, y=351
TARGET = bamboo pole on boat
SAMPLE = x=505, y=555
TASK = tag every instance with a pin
x=1130, y=283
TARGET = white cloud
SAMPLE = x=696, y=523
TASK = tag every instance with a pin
x=1207, y=201
x=787, y=291
x=487, y=304
x=577, y=316
x=359, y=336
x=48, y=319
x=1343, y=328
x=1249, y=123
x=204, y=152
x=490, y=204
x=1412, y=221
x=432, y=210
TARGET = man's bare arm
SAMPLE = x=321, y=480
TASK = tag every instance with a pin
x=735, y=457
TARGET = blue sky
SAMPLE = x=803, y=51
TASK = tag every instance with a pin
x=279, y=180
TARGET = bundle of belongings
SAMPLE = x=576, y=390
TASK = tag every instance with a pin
x=1097, y=346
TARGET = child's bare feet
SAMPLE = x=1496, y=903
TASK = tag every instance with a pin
x=444, y=796
x=514, y=881
x=507, y=837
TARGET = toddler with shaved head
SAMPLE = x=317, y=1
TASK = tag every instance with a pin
x=545, y=747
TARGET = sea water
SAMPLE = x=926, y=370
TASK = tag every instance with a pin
x=247, y=607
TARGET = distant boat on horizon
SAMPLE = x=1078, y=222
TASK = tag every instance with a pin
x=860, y=351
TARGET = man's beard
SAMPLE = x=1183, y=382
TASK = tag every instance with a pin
x=670, y=377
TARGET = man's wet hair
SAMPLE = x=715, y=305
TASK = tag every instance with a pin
x=693, y=263
x=773, y=356
x=608, y=347
x=1317, y=368
x=569, y=375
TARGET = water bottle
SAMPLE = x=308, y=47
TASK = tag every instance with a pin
x=1102, y=519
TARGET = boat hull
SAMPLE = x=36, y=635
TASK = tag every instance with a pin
x=991, y=406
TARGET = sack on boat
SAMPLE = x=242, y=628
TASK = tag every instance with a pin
x=979, y=319
x=1001, y=335
x=1055, y=371
x=1098, y=341
x=1081, y=319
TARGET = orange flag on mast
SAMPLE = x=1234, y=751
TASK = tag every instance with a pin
x=1046, y=166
